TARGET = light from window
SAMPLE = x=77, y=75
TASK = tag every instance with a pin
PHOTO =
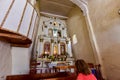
x=74, y=39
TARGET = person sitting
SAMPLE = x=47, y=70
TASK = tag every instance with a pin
x=83, y=71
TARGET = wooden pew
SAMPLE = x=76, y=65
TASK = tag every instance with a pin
x=18, y=77
x=71, y=77
x=57, y=76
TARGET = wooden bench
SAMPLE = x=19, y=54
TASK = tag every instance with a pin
x=71, y=77
x=43, y=76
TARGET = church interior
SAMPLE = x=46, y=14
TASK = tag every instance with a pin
x=42, y=39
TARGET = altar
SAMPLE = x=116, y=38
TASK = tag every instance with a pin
x=47, y=63
x=54, y=45
x=48, y=66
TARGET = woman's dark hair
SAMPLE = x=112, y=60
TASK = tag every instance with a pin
x=82, y=67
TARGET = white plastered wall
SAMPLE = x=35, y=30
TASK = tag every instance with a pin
x=5, y=60
x=11, y=15
x=20, y=60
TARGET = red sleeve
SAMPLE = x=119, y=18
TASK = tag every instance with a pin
x=80, y=77
x=93, y=77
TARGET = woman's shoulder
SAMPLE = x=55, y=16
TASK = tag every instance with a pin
x=83, y=77
x=92, y=77
x=80, y=74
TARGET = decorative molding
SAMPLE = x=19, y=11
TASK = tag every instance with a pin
x=32, y=6
x=7, y=13
x=84, y=1
x=53, y=15
x=41, y=39
x=52, y=40
x=60, y=4
x=22, y=17
x=81, y=4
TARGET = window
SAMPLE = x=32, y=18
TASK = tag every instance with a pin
x=74, y=39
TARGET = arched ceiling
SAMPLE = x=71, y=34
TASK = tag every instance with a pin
x=57, y=7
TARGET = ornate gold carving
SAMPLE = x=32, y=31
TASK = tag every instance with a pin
x=41, y=40
x=67, y=41
x=52, y=41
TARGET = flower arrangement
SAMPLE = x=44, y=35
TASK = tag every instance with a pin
x=54, y=57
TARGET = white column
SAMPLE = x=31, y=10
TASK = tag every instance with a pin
x=41, y=48
x=65, y=32
x=59, y=48
x=38, y=50
x=70, y=49
x=66, y=48
x=62, y=33
x=52, y=48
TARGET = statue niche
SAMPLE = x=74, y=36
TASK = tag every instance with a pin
x=47, y=48
x=62, y=48
x=50, y=32
x=59, y=33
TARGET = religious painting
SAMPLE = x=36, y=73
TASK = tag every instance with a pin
x=62, y=48
x=55, y=49
x=47, y=48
